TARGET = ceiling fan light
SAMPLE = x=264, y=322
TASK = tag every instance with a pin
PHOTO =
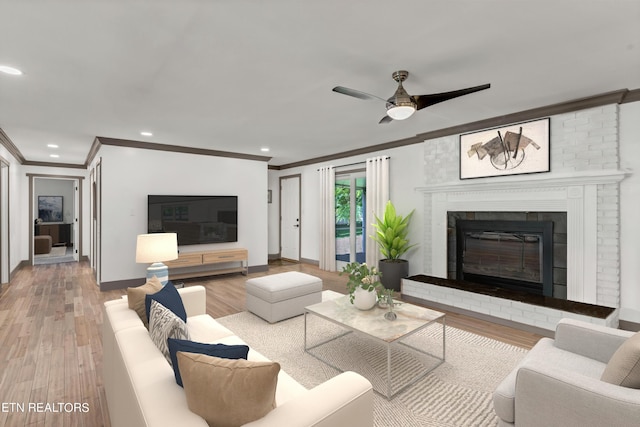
x=401, y=112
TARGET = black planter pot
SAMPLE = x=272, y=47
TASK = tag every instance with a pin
x=393, y=271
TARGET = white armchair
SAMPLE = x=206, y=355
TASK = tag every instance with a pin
x=558, y=382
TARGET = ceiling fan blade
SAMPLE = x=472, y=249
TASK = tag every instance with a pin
x=423, y=101
x=386, y=119
x=357, y=94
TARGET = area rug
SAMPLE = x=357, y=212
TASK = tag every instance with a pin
x=456, y=393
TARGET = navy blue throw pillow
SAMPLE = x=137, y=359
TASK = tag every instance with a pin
x=216, y=350
x=170, y=298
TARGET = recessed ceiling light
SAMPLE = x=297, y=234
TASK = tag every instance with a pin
x=52, y=145
x=55, y=156
x=10, y=70
x=146, y=133
x=264, y=149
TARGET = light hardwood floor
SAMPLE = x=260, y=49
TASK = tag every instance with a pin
x=51, y=347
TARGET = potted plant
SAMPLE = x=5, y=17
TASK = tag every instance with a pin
x=391, y=236
x=363, y=284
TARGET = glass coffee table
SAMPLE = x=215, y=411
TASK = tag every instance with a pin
x=404, y=340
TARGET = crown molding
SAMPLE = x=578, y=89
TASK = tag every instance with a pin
x=177, y=149
x=10, y=146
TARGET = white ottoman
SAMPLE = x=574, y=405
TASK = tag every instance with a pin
x=281, y=296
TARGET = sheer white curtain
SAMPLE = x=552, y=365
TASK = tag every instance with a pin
x=327, y=218
x=377, y=197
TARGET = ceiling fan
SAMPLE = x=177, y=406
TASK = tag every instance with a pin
x=402, y=105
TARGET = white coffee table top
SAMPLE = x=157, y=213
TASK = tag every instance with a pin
x=372, y=322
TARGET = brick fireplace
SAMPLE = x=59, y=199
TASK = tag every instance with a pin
x=591, y=244
x=583, y=185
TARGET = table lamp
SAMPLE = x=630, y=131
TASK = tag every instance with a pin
x=155, y=248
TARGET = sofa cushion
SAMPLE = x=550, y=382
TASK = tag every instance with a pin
x=164, y=324
x=624, y=366
x=228, y=392
x=217, y=350
x=170, y=298
x=136, y=298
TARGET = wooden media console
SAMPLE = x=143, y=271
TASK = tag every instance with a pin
x=187, y=264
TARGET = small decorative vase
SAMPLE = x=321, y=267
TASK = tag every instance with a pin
x=363, y=299
x=390, y=315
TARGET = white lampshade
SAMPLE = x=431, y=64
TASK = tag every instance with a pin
x=401, y=112
x=155, y=248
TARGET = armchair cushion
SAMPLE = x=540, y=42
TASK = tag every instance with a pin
x=624, y=367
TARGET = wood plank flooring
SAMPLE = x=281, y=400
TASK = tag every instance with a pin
x=51, y=346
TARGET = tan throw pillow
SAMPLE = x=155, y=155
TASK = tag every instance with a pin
x=624, y=366
x=228, y=392
x=136, y=296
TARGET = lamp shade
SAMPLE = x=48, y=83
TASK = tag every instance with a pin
x=156, y=247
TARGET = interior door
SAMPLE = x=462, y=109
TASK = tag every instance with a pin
x=290, y=218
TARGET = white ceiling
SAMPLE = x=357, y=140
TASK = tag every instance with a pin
x=241, y=75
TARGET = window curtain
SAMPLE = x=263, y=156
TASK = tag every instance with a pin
x=376, y=200
x=327, y=218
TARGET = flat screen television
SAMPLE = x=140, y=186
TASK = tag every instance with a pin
x=196, y=219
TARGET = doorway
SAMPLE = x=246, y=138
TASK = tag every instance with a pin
x=55, y=221
x=351, y=198
x=290, y=224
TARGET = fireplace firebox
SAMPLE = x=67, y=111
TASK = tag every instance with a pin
x=516, y=255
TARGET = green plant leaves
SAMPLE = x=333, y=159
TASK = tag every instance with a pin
x=391, y=233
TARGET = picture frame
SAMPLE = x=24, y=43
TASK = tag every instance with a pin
x=50, y=208
x=520, y=148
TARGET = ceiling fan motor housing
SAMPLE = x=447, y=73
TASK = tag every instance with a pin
x=401, y=98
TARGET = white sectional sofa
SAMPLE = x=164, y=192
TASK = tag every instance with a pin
x=141, y=389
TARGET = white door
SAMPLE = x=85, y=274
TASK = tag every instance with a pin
x=290, y=218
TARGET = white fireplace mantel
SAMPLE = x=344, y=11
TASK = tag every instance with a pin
x=575, y=193
x=528, y=181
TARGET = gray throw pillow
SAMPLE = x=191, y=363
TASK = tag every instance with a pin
x=164, y=324
x=624, y=366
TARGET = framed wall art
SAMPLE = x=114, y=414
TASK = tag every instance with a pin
x=509, y=150
x=50, y=208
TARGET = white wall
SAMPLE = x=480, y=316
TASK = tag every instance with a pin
x=406, y=170
x=129, y=175
x=629, y=208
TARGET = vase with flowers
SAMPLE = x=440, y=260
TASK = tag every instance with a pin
x=363, y=284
